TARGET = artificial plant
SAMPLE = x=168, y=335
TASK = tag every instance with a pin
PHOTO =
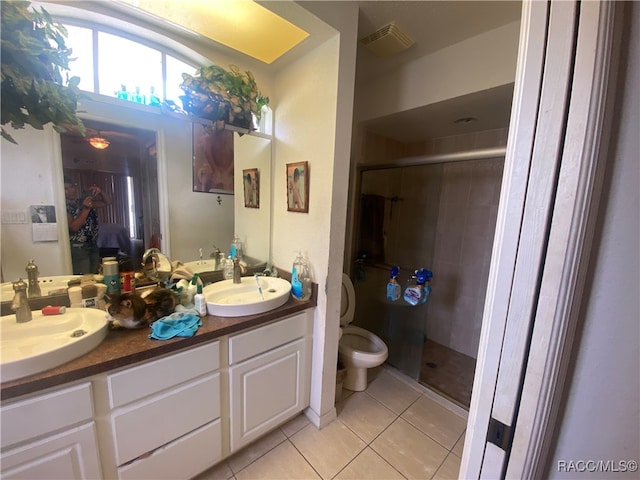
x=223, y=96
x=34, y=58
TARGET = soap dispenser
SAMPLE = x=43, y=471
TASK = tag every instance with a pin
x=300, y=279
x=236, y=247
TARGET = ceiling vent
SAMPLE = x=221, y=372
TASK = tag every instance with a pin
x=387, y=40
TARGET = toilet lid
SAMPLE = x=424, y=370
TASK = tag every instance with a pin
x=347, y=301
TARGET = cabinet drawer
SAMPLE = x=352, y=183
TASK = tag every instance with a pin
x=184, y=458
x=156, y=421
x=72, y=454
x=45, y=413
x=152, y=377
x=248, y=344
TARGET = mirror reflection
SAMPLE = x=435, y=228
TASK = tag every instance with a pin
x=110, y=213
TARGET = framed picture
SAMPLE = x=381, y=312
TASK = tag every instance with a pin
x=298, y=187
x=212, y=160
x=251, y=183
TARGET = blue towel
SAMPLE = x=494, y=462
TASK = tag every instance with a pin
x=179, y=324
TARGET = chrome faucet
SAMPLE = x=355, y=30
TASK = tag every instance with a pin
x=20, y=303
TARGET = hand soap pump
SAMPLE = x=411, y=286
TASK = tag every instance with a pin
x=236, y=247
x=32, y=279
x=393, y=288
x=300, y=279
x=200, y=302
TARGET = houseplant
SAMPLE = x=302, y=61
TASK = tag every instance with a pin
x=223, y=96
x=34, y=57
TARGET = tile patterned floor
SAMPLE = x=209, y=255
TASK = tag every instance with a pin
x=396, y=429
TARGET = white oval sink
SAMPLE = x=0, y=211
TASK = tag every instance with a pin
x=48, y=286
x=199, y=266
x=228, y=299
x=48, y=341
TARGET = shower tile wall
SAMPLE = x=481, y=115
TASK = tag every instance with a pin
x=464, y=238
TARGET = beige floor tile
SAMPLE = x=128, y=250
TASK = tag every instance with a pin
x=449, y=469
x=365, y=415
x=459, y=446
x=409, y=451
x=257, y=449
x=392, y=392
x=369, y=465
x=328, y=450
x=440, y=423
x=217, y=472
x=282, y=463
x=295, y=425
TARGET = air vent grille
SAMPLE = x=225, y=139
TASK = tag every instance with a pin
x=387, y=40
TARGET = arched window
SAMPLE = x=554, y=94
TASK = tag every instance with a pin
x=125, y=68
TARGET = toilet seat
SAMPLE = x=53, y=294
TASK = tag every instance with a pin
x=347, y=301
x=361, y=346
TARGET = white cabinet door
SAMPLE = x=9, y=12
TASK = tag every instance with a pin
x=72, y=454
x=267, y=390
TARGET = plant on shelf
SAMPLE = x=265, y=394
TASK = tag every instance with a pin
x=34, y=56
x=223, y=96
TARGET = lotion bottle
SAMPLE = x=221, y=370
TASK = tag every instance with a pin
x=200, y=302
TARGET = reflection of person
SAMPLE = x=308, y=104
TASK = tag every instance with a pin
x=250, y=190
x=83, y=225
x=294, y=188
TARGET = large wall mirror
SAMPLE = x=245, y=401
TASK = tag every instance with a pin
x=150, y=162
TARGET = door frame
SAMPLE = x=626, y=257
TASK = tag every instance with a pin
x=547, y=311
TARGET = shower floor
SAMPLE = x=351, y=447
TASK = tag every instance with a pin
x=447, y=371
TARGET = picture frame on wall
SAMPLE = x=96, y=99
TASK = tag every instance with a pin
x=251, y=185
x=298, y=187
x=212, y=160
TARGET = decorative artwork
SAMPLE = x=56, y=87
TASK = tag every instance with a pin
x=251, y=183
x=212, y=160
x=298, y=187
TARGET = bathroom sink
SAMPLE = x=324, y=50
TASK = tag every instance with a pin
x=228, y=299
x=48, y=286
x=204, y=265
x=48, y=341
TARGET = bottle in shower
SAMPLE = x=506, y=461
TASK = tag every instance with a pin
x=393, y=287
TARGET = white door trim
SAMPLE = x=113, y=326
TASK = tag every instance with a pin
x=570, y=238
x=571, y=212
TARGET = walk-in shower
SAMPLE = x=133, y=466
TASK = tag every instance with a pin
x=437, y=212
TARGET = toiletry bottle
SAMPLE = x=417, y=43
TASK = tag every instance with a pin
x=111, y=276
x=200, y=302
x=236, y=247
x=227, y=270
x=426, y=291
x=393, y=288
x=300, y=279
x=32, y=279
x=192, y=289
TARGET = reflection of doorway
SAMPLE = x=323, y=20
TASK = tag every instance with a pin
x=127, y=170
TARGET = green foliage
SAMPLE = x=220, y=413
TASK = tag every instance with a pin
x=225, y=96
x=34, y=58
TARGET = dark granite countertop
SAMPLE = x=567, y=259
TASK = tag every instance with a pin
x=126, y=347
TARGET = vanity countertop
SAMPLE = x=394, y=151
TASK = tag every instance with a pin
x=125, y=347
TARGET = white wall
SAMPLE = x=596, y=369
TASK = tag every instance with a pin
x=485, y=61
x=601, y=413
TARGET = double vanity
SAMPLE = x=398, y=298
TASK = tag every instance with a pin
x=133, y=407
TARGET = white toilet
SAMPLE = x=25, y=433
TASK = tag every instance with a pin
x=358, y=349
